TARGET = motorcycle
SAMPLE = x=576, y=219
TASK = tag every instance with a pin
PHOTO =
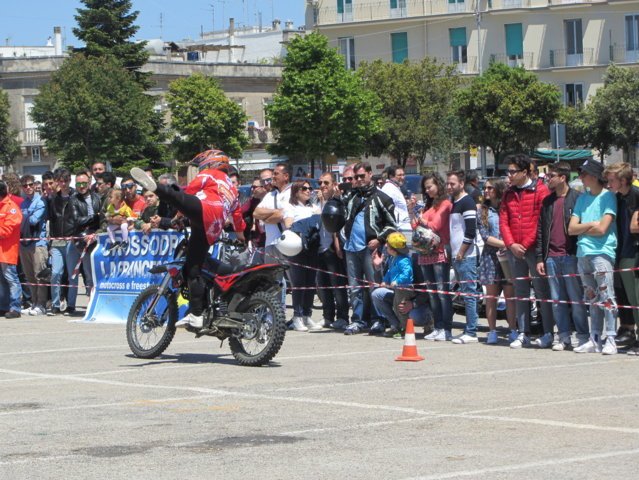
x=243, y=304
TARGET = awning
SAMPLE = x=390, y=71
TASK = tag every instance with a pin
x=562, y=155
x=257, y=161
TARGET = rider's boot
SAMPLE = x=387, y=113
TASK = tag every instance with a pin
x=196, y=321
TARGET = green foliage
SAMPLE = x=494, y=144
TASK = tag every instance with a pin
x=417, y=107
x=508, y=109
x=94, y=110
x=205, y=118
x=9, y=144
x=586, y=128
x=106, y=27
x=321, y=108
x=615, y=109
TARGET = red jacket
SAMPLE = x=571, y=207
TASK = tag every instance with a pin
x=10, y=220
x=219, y=202
x=519, y=214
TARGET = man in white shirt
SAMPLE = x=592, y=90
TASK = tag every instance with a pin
x=392, y=188
x=271, y=212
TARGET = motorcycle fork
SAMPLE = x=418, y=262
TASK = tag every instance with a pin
x=163, y=286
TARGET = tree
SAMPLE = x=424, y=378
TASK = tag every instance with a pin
x=321, y=108
x=9, y=144
x=507, y=109
x=615, y=109
x=204, y=118
x=415, y=97
x=586, y=128
x=106, y=28
x=94, y=110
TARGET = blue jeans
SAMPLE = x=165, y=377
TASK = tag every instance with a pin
x=10, y=288
x=304, y=278
x=527, y=267
x=61, y=257
x=599, y=286
x=359, y=265
x=567, y=288
x=466, y=273
x=383, y=302
x=438, y=277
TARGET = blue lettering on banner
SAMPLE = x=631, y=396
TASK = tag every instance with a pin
x=119, y=276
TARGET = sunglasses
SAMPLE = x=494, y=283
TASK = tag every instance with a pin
x=361, y=176
x=552, y=175
x=27, y=185
x=266, y=181
x=81, y=184
x=513, y=172
x=326, y=183
x=255, y=187
x=348, y=179
x=305, y=189
x=128, y=185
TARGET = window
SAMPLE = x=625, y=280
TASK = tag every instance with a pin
x=398, y=8
x=574, y=42
x=344, y=10
x=514, y=43
x=574, y=95
x=265, y=103
x=347, y=49
x=399, y=45
x=28, y=105
x=35, y=155
x=456, y=6
x=632, y=38
x=458, y=45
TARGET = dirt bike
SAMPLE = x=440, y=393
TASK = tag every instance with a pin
x=243, y=304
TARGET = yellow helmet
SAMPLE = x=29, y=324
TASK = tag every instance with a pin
x=397, y=241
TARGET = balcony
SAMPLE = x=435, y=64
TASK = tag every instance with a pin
x=367, y=10
x=527, y=60
x=560, y=58
x=30, y=136
x=506, y=4
x=620, y=54
x=467, y=68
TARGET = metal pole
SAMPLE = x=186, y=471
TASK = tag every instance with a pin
x=482, y=149
x=557, y=138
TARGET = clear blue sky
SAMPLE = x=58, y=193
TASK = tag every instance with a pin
x=31, y=22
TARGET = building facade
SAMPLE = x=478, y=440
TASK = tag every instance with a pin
x=569, y=43
x=248, y=75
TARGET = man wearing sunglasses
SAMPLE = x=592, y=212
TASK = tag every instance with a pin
x=33, y=253
x=131, y=198
x=518, y=220
x=370, y=218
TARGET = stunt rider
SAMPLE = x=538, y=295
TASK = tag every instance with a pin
x=208, y=201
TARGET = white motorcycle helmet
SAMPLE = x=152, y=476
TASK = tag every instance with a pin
x=289, y=244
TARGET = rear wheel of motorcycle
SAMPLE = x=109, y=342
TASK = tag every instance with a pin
x=150, y=334
x=262, y=338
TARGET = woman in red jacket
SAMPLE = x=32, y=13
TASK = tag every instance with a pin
x=208, y=201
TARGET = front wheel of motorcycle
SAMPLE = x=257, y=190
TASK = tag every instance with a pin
x=263, y=333
x=150, y=326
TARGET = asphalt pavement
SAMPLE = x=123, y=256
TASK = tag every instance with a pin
x=75, y=404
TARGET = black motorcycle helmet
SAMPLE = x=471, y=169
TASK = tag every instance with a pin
x=333, y=216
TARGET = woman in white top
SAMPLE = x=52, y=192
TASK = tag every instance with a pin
x=299, y=208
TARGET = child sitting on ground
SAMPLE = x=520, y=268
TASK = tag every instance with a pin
x=399, y=272
x=117, y=207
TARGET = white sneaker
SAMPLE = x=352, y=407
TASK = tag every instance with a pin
x=63, y=305
x=26, y=311
x=196, y=321
x=298, y=324
x=434, y=334
x=444, y=336
x=610, y=347
x=545, y=341
x=564, y=344
x=312, y=326
x=521, y=341
x=512, y=336
x=141, y=177
x=591, y=346
x=463, y=339
x=37, y=311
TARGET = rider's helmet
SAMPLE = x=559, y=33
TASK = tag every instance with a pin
x=211, y=159
x=333, y=216
x=289, y=244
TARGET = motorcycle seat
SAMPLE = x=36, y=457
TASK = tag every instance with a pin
x=220, y=268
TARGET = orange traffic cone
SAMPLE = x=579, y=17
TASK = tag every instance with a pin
x=409, y=352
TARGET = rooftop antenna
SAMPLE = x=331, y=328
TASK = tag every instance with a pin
x=212, y=5
x=161, y=26
x=223, y=2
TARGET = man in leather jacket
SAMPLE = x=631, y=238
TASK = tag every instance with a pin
x=86, y=210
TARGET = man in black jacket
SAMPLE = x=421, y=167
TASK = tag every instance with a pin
x=556, y=257
x=86, y=212
x=370, y=218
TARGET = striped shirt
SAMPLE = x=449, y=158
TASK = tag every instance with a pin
x=463, y=225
